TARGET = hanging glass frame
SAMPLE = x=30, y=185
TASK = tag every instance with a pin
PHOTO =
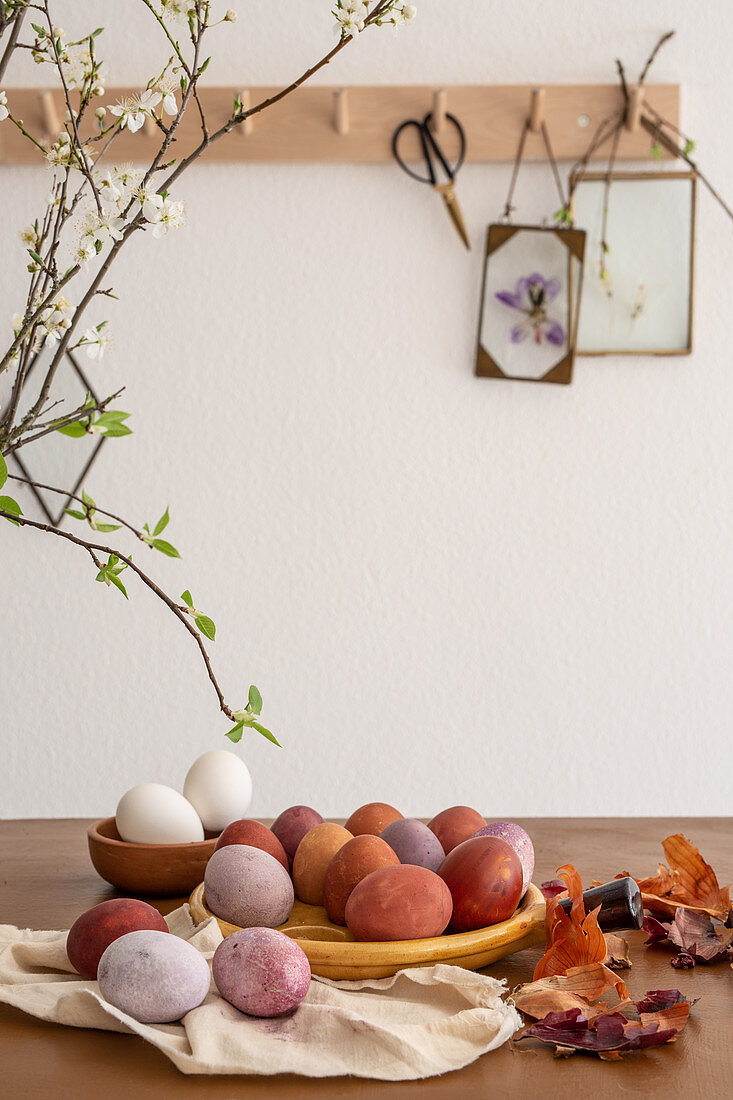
x=638, y=289
x=530, y=302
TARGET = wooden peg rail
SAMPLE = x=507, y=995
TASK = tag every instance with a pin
x=355, y=124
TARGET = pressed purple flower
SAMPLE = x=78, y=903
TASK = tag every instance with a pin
x=531, y=296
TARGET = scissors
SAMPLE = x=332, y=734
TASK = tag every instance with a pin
x=432, y=152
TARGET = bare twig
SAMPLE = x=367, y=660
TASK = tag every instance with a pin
x=12, y=41
x=653, y=55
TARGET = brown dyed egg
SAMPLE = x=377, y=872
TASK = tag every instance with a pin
x=373, y=818
x=256, y=835
x=399, y=903
x=312, y=857
x=349, y=866
x=455, y=825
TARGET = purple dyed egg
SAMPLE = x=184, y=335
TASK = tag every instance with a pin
x=292, y=825
x=518, y=839
x=261, y=972
x=248, y=887
x=413, y=843
x=153, y=976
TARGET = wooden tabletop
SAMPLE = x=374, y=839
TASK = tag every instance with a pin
x=46, y=881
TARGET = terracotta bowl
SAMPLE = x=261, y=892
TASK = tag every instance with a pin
x=159, y=869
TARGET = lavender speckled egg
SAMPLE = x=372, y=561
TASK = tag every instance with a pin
x=261, y=972
x=413, y=843
x=153, y=976
x=518, y=839
x=248, y=887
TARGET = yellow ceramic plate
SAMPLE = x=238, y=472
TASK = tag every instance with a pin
x=334, y=953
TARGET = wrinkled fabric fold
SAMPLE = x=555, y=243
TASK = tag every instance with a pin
x=419, y=1023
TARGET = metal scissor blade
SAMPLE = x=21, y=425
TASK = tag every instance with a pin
x=446, y=192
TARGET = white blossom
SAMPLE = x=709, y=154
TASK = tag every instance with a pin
x=109, y=192
x=132, y=110
x=172, y=216
x=108, y=229
x=96, y=341
x=29, y=236
x=350, y=17
x=149, y=202
x=54, y=321
x=126, y=178
x=179, y=9
x=4, y=112
x=167, y=86
x=230, y=16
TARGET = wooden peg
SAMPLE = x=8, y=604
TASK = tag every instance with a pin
x=248, y=125
x=633, y=109
x=537, y=110
x=341, y=119
x=50, y=116
x=440, y=106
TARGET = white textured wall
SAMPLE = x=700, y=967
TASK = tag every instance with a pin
x=447, y=589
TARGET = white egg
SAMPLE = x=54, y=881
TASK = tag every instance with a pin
x=152, y=813
x=219, y=785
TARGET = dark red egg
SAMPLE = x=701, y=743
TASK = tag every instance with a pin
x=255, y=835
x=91, y=934
x=484, y=876
x=456, y=824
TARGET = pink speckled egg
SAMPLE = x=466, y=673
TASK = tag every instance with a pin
x=261, y=972
x=518, y=839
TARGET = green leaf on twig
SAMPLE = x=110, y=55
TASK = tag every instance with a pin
x=235, y=734
x=109, y=574
x=206, y=625
x=187, y=598
x=164, y=547
x=255, y=700
x=3, y=471
x=162, y=523
x=75, y=430
x=248, y=717
x=7, y=504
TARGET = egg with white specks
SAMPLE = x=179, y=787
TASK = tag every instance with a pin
x=153, y=976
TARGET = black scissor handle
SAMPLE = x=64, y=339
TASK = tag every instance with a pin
x=429, y=147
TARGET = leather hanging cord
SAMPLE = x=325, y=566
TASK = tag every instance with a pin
x=508, y=207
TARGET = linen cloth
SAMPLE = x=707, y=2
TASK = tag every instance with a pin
x=419, y=1023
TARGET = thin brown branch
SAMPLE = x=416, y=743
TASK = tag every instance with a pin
x=77, y=140
x=653, y=55
x=655, y=127
x=91, y=548
x=8, y=52
x=80, y=500
x=242, y=116
x=63, y=422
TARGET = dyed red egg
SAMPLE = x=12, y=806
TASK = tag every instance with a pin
x=91, y=934
x=484, y=876
x=357, y=859
x=455, y=825
x=373, y=818
x=255, y=835
x=399, y=903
